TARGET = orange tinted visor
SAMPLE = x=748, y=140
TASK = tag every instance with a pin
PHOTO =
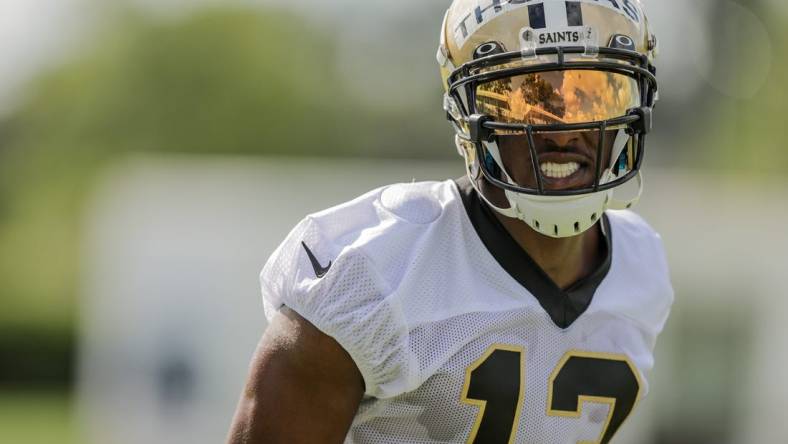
x=572, y=96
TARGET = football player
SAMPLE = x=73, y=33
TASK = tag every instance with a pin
x=519, y=304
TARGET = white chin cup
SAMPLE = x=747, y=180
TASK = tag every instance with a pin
x=564, y=216
x=559, y=216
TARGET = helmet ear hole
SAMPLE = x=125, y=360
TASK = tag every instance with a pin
x=487, y=49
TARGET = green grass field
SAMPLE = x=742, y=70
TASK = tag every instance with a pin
x=37, y=418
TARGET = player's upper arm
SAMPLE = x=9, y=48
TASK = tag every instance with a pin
x=351, y=301
x=302, y=387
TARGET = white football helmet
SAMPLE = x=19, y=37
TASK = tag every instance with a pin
x=519, y=72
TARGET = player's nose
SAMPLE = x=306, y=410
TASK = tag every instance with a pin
x=559, y=140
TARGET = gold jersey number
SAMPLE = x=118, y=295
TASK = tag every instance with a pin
x=495, y=383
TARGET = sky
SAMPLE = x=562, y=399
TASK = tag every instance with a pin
x=33, y=33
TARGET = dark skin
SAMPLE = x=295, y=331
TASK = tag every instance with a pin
x=303, y=388
x=565, y=260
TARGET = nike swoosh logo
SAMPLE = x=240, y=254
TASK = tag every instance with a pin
x=320, y=270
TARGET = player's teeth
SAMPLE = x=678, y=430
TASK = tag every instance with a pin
x=559, y=170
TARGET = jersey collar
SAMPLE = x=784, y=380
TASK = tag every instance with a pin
x=563, y=306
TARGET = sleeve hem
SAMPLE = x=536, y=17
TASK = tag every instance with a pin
x=366, y=373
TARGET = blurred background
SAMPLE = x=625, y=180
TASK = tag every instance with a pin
x=154, y=152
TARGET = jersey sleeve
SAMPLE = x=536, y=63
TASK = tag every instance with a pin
x=349, y=303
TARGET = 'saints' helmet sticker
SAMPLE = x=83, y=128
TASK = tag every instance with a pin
x=520, y=75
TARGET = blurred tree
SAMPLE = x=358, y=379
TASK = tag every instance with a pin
x=539, y=92
x=503, y=87
x=220, y=81
x=742, y=129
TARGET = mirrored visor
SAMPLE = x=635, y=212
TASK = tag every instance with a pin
x=573, y=96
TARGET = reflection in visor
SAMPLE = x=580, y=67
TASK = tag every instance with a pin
x=573, y=96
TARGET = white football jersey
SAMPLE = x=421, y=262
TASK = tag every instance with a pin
x=458, y=335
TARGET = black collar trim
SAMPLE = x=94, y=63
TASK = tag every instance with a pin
x=563, y=306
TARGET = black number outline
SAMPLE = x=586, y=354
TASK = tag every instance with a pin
x=582, y=399
x=482, y=404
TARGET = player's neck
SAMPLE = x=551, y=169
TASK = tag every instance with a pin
x=565, y=260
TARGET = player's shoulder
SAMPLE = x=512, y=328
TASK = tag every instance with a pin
x=385, y=224
x=640, y=286
x=371, y=228
x=633, y=236
x=404, y=204
x=339, y=267
x=380, y=226
x=630, y=224
x=637, y=244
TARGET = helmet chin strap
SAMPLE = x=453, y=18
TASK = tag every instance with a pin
x=556, y=216
x=510, y=212
x=458, y=143
x=616, y=203
x=625, y=204
x=620, y=143
x=622, y=139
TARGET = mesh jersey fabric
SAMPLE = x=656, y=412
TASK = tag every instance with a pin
x=416, y=300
